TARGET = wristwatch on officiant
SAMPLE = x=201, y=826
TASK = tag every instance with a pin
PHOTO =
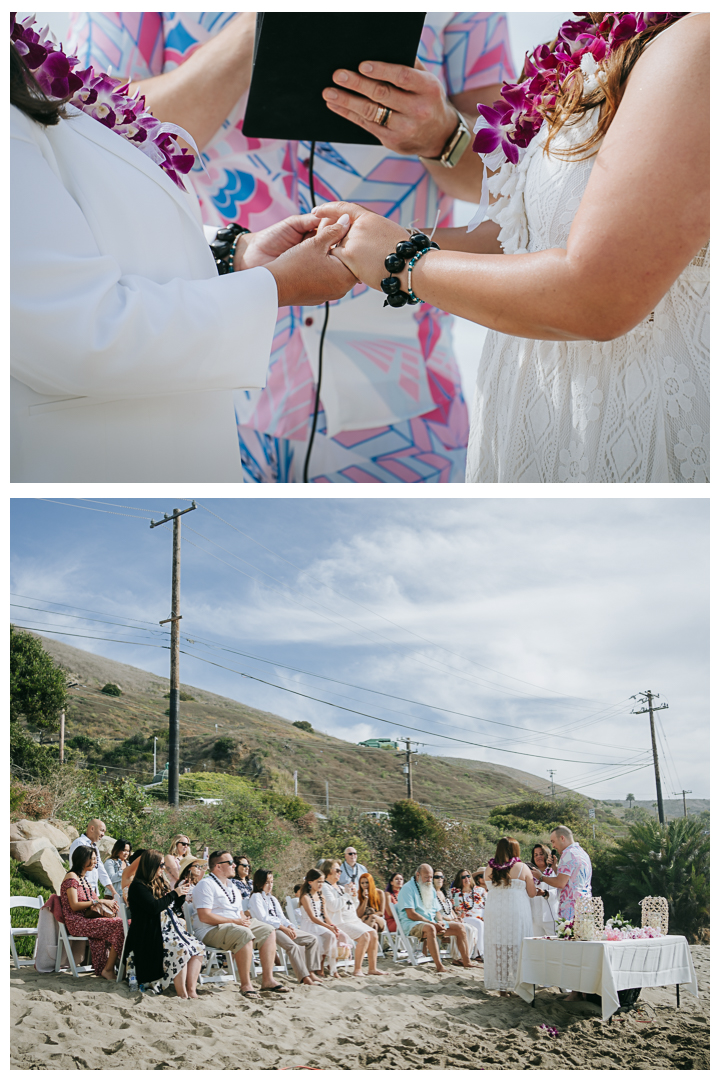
x=455, y=147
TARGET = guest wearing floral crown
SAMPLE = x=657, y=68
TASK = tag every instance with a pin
x=596, y=367
x=130, y=333
x=508, y=918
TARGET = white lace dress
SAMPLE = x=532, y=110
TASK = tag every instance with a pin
x=508, y=919
x=632, y=410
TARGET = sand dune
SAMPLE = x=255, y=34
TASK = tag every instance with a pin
x=408, y=1019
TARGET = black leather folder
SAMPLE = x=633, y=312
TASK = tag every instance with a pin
x=295, y=56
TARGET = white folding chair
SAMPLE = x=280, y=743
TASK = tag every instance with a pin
x=413, y=947
x=292, y=910
x=64, y=940
x=122, y=912
x=24, y=931
x=214, y=958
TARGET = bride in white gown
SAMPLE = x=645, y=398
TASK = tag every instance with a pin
x=596, y=367
x=508, y=916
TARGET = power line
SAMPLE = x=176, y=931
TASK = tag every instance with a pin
x=96, y=510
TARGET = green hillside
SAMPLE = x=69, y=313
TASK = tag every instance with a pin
x=220, y=734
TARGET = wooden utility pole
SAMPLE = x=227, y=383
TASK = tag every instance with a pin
x=552, y=781
x=174, y=620
x=62, y=736
x=648, y=696
x=407, y=767
x=683, y=793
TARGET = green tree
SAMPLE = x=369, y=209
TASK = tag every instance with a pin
x=537, y=814
x=112, y=689
x=38, y=688
x=223, y=748
x=290, y=807
x=304, y=725
x=630, y=799
x=410, y=821
x=671, y=860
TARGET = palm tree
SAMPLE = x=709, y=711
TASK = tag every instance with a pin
x=630, y=799
x=671, y=860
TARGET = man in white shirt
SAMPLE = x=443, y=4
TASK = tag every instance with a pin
x=351, y=870
x=92, y=836
x=222, y=924
x=302, y=947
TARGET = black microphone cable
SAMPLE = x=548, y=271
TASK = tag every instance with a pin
x=311, y=181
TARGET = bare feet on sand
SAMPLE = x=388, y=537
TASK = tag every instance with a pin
x=108, y=974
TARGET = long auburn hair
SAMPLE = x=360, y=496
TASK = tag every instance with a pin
x=149, y=873
x=374, y=897
x=507, y=849
x=570, y=102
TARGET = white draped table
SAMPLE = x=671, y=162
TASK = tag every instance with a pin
x=604, y=967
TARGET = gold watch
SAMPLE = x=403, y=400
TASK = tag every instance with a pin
x=455, y=147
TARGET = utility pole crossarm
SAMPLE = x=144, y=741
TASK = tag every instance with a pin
x=172, y=517
x=684, y=792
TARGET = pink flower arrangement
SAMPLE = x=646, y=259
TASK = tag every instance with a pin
x=636, y=933
x=102, y=97
x=505, y=129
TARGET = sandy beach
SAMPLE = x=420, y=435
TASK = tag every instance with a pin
x=407, y=1019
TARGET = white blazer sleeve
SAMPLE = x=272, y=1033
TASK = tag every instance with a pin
x=81, y=328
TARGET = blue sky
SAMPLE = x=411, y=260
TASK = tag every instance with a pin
x=544, y=614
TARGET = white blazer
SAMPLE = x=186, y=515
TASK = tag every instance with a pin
x=126, y=346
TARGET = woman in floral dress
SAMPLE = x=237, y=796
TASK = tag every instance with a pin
x=77, y=898
x=469, y=902
x=163, y=950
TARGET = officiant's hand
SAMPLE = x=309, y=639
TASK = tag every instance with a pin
x=422, y=119
x=260, y=248
x=310, y=273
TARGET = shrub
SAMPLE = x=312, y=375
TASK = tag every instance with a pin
x=82, y=742
x=119, y=803
x=223, y=748
x=290, y=807
x=29, y=756
x=38, y=687
x=304, y=725
x=112, y=689
x=671, y=860
x=410, y=821
x=183, y=695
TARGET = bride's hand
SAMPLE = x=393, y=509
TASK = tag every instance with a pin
x=370, y=240
x=310, y=273
x=260, y=248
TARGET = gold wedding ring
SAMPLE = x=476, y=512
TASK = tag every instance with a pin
x=382, y=115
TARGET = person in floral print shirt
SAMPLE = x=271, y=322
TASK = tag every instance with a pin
x=391, y=405
x=574, y=872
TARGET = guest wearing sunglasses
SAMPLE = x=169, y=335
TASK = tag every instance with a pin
x=469, y=902
x=351, y=870
x=179, y=849
x=243, y=878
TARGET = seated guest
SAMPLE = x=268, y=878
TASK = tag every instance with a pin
x=544, y=906
x=418, y=910
x=162, y=946
x=117, y=862
x=130, y=871
x=296, y=890
x=313, y=918
x=341, y=909
x=179, y=849
x=77, y=898
x=469, y=902
x=351, y=870
x=392, y=889
x=448, y=914
x=371, y=903
x=222, y=924
x=92, y=836
x=302, y=947
x=242, y=880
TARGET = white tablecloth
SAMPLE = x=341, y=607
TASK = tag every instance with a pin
x=604, y=967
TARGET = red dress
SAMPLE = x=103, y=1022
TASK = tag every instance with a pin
x=104, y=934
x=390, y=919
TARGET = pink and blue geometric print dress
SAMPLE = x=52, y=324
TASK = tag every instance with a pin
x=392, y=409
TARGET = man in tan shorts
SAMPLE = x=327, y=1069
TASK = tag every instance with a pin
x=418, y=910
x=222, y=924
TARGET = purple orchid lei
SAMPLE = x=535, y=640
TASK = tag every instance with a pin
x=505, y=129
x=102, y=97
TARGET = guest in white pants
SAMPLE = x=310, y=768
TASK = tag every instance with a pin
x=469, y=902
x=302, y=947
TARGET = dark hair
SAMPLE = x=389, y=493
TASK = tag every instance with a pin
x=443, y=887
x=312, y=875
x=392, y=878
x=26, y=95
x=215, y=857
x=136, y=855
x=260, y=879
x=507, y=849
x=81, y=859
x=544, y=848
x=237, y=859
x=185, y=876
x=457, y=883
x=297, y=888
x=119, y=846
x=149, y=872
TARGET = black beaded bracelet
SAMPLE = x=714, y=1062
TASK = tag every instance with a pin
x=223, y=247
x=395, y=262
